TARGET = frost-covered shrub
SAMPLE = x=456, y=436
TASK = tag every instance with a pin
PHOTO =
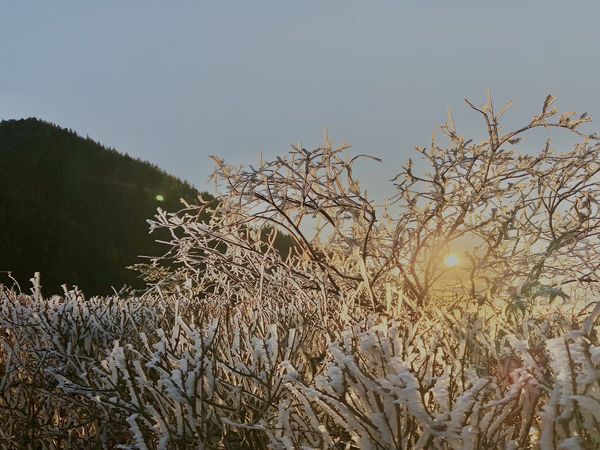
x=389, y=385
x=43, y=339
x=360, y=337
x=150, y=378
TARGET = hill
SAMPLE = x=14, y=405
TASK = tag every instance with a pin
x=76, y=211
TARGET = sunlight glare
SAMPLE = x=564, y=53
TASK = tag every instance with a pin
x=451, y=261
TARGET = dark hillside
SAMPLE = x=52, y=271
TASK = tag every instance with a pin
x=74, y=210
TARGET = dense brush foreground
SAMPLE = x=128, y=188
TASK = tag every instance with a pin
x=170, y=372
x=361, y=337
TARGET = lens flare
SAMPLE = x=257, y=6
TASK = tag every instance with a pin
x=160, y=198
x=451, y=261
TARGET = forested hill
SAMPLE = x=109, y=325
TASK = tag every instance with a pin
x=76, y=211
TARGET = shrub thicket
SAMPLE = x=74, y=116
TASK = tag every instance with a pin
x=360, y=337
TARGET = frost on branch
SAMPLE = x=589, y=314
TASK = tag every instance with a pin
x=359, y=336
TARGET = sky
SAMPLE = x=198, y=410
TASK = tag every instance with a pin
x=173, y=82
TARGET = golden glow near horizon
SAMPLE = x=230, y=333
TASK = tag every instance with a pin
x=451, y=261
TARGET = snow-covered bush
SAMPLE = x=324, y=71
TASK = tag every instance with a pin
x=137, y=372
x=360, y=337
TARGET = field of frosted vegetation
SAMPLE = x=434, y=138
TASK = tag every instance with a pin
x=361, y=337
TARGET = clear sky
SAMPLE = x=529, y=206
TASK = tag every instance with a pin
x=175, y=81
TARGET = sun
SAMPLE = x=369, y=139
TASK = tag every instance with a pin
x=451, y=261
